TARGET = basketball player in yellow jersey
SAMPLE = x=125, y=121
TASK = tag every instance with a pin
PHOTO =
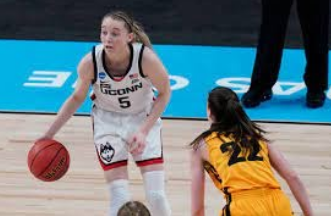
x=239, y=160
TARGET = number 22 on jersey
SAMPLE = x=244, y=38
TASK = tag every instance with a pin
x=236, y=150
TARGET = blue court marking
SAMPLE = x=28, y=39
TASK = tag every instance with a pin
x=37, y=76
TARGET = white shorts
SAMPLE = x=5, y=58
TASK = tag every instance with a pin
x=111, y=130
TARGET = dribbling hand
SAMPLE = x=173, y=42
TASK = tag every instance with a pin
x=44, y=137
x=137, y=143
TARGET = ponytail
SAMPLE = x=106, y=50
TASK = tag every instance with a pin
x=140, y=35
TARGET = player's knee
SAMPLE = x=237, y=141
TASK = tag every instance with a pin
x=158, y=202
x=155, y=194
x=156, y=197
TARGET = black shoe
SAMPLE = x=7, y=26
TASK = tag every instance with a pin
x=254, y=98
x=315, y=99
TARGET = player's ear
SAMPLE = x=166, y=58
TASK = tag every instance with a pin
x=130, y=37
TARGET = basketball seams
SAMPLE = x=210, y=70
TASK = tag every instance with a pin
x=50, y=163
x=36, y=155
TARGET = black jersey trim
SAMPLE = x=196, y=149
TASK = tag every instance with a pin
x=140, y=60
x=95, y=72
x=128, y=68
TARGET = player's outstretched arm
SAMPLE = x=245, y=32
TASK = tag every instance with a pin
x=69, y=107
x=197, y=184
x=282, y=166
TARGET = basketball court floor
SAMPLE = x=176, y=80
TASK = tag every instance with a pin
x=82, y=191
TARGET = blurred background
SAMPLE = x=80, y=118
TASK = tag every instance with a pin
x=216, y=38
x=190, y=22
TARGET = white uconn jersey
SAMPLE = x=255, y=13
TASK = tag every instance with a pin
x=131, y=94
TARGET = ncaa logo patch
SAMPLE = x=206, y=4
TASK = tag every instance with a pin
x=102, y=75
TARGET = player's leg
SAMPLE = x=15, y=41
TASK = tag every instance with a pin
x=154, y=183
x=113, y=157
x=116, y=175
x=117, y=180
x=150, y=163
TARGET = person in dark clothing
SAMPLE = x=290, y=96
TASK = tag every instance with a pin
x=314, y=20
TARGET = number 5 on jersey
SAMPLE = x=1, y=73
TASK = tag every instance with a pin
x=124, y=102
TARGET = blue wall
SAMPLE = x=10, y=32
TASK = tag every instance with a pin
x=39, y=75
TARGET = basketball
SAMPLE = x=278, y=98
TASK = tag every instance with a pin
x=133, y=208
x=48, y=160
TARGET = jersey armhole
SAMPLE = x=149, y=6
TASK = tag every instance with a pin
x=94, y=66
x=140, y=60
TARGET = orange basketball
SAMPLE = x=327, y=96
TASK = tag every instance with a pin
x=48, y=160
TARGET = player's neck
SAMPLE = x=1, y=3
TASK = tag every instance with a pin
x=118, y=62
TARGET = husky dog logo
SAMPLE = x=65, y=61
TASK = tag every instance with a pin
x=107, y=152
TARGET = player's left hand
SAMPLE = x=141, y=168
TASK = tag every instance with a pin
x=137, y=143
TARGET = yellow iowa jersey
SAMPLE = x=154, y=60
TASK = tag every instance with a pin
x=233, y=171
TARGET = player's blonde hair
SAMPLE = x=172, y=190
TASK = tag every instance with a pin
x=132, y=26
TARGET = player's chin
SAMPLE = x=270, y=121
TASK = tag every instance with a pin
x=109, y=50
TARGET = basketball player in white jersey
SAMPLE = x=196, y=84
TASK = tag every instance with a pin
x=126, y=114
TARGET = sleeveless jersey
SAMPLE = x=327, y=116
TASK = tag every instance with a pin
x=131, y=94
x=234, y=172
